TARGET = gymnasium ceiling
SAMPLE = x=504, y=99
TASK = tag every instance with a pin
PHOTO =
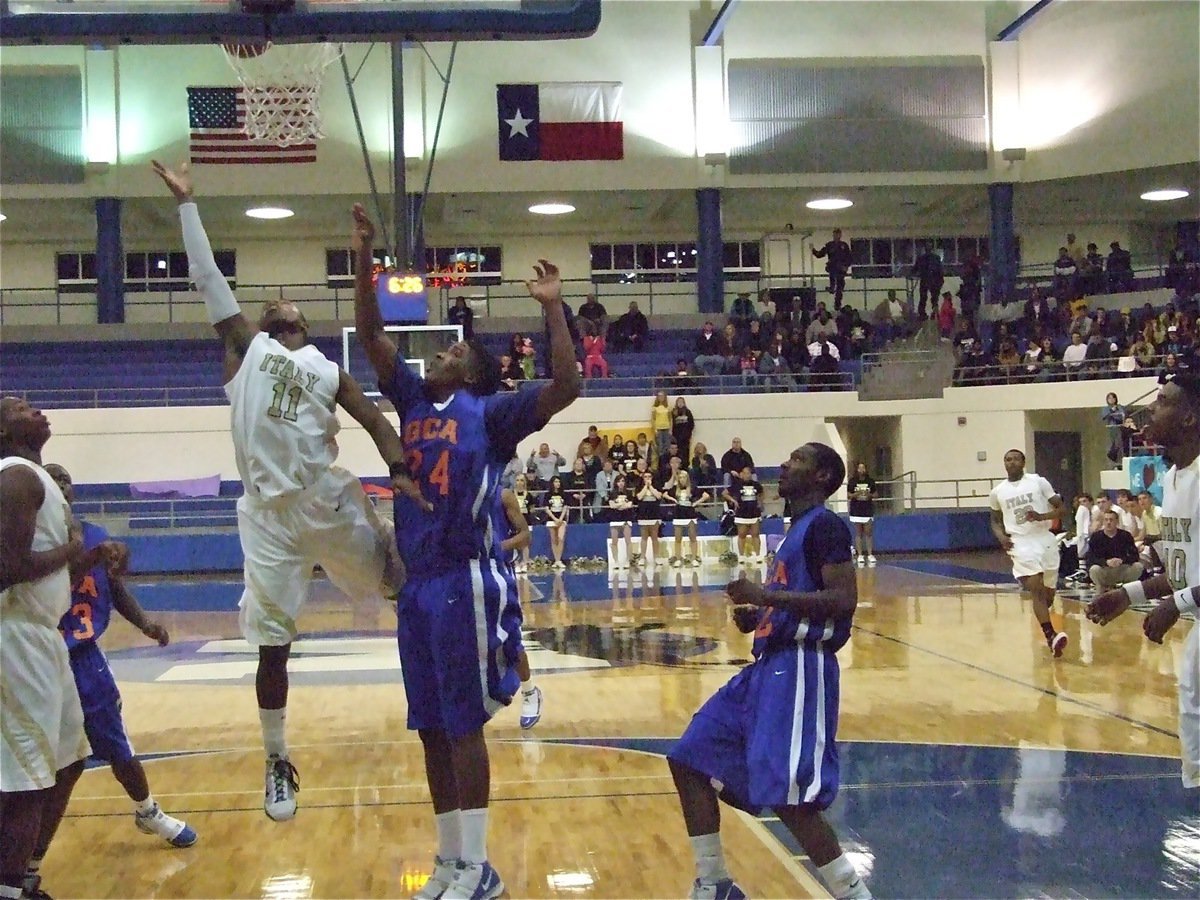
x=748, y=212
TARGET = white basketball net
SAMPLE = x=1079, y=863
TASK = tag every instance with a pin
x=282, y=87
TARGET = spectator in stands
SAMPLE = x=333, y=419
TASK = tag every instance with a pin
x=682, y=378
x=593, y=440
x=735, y=458
x=1081, y=322
x=734, y=343
x=748, y=366
x=683, y=423
x=593, y=311
x=461, y=314
x=516, y=346
x=703, y=468
x=1112, y=556
x=511, y=374
x=1033, y=361
x=1008, y=359
x=822, y=326
x=970, y=290
x=1120, y=268
x=593, y=356
x=1098, y=355
x=630, y=330
x=605, y=479
x=946, y=316
x=837, y=255
x=543, y=465
x=616, y=452
x=796, y=352
x=930, y=278
x=1065, y=270
x=773, y=367
x=1037, y=316
x=515, y=468
x=1091, y=269
x=591, y=463
x=1120, y=429
x=710, y=351
x=660, y=422
x=645, y=449
x=668, y=468
x=755, y=338
x=741, y=311
x=1170, y=368
x=824, y=365
x=528, y=358
x=1075, y=251
x=1173, y=343
x=1074, y=355
x=1143, y=352
x=1123, y=326
x=632, y=457
x=579, y=492
x=857, y=334
x=973, y=360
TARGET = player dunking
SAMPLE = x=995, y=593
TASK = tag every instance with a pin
x=459, y=622
x=1023, y=506
x=1175, y=424
x=767, y=738
x=95, y=593
x=298, y=510
x=43, y=745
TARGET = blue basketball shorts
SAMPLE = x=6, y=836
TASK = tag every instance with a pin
x=101, y=703
x=767, y=738
x=459, y=634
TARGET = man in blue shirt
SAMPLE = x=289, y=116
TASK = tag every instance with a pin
x=459, y=622
x=766, y=739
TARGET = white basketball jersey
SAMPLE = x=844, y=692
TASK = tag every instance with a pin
x=283, y=412
x=1179, y=546
x=46, y=600
x=1014, y=498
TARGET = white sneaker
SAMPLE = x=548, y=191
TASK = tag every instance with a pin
x=531, y=707
x=676, y=562
x=475, y=881
x=862, y=561
x=279, y=801
x=444, y=872
x=871, y=559
x=174, y=831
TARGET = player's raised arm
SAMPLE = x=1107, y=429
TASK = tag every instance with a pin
x=368, y=321
x=563, y=389
x=226, y=317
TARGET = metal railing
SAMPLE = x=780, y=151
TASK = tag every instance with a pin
x=1057, y=371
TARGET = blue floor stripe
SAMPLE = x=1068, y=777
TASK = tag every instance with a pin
x=950, y=570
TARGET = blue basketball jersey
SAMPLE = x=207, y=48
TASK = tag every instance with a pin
x=456, y=452
x=816, y=538
x=91, y=599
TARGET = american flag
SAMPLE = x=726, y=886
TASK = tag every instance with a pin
x=216, y=116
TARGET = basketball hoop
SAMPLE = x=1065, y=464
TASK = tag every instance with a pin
x=282, y=88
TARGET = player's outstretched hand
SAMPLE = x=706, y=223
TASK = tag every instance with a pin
x=1160, y=620
x=547, y=287
x=1107, y=606
x=404, y=485
x=743, y=591
x=363, y=234
x=745, y=617
x=179, y=182
x=156, y=632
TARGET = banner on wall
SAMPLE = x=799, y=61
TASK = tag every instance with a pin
x=1146, y=473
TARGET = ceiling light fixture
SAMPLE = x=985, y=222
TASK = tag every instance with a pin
x=1165, y=194
x=269, y=212
x=830, y=203
x=552, y=209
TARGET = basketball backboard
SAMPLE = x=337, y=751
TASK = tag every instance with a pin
x=107, y=22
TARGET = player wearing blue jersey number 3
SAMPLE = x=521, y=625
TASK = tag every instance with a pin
x=767, y=738
x=459, y=623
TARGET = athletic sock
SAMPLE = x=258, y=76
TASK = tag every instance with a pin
x=274, y=739
x=145, y=806
x=527, y=686
x=842, y=878
x=710, y=859
x=450, y=836
x=474, y=835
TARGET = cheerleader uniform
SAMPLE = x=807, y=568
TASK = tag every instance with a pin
x=749, y=507
x=649, y=510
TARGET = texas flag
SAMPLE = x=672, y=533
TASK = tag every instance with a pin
x=563, y=120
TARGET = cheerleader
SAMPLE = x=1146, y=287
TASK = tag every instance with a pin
x=649, y=515
x=745, y=491
x=684, y=501
x=556, y=520
x=620, y=516
x=524, y=501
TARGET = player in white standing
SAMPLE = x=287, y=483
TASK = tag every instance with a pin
x=43, y=745
x=1175, y=424
x=1023, y=506
x=298, y=509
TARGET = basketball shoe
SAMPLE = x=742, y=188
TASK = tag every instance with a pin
x=283, y=781
x=444, y=871
x=531, y=707
x=1058, y=644
x=475, y=881
x=725, y=889
x=172, y=830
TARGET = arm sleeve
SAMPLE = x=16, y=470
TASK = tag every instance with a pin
x=510, y=418
x=202, y=267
